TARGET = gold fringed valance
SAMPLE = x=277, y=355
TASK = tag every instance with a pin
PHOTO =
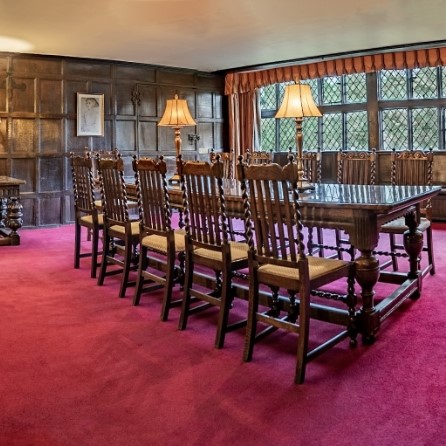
x=248, y=81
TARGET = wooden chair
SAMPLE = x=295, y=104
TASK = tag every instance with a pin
x=121, y=233
x=208, y=246
x=354, y=167
x=227, y=158
x=312, y=165
x=160, y=244
x=410, y=168
x=277, y=260
x=259, y=157
x=86, y=214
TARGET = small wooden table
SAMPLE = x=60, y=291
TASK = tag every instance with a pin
x=10, y=210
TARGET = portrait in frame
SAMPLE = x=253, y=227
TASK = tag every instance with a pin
x=90, y=114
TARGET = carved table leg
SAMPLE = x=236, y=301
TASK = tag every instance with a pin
x=367, y=275
x=14, y=219
x=413, y=244
x=2, y=212
x=364, y=237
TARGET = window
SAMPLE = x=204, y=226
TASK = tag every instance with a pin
x=404, y=109
x=343, y=101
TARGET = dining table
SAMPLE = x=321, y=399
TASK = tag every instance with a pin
x=360, y=211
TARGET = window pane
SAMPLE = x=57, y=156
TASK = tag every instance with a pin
x=357, y=131
x=331, y=90
x=268, y=98
x=287, y=134
x=425, y=128
x=332, y=131
x=424, y=81
x=393, y=84
x=395, y=129
x=443, y=82
x=356, y=88
x=268, y=136
x=309, y=129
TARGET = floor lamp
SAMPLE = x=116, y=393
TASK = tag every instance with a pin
x=298, y=103
x=176, y=115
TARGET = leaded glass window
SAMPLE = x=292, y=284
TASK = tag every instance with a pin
x=357, y=131
x=393, y=84
x=356, y=89
x=424, y=83
x=332, y=134
x=395, y=134
x=425, y=128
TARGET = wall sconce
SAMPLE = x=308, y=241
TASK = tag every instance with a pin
x=193, y=138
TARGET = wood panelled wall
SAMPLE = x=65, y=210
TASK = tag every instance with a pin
x=38, y=96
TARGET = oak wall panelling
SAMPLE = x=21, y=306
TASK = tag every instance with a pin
x=38, y=122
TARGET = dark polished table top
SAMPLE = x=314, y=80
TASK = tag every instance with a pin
x=379, y=198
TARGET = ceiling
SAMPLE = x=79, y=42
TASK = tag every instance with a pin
x=211, y=35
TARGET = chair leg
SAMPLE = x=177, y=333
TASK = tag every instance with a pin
x=105, y=253
x=187, y=295
x=320, y=240
x=126, y=267
x=393, y=249
x=302, y=342
x=251, y=327
x=77, y=244
x=140, y=280
x=225, y=302
x=338, y=238
x=168, y=286
x=94, y=252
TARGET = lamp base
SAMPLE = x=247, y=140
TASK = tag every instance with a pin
x=303, y=184
x=175, y=179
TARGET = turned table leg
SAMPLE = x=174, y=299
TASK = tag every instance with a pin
x=413, y=244
x=14, y=219
x=364, y=237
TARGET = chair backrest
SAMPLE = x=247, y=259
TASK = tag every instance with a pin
x=227, y=158
x=152, y=194
x=102, y=154
x=411, y=167
x=205, y=218
x=272, y=212
x=356, y=167
x=113, y=190
x=312, y=165
x=259, y=157
x=83, y=182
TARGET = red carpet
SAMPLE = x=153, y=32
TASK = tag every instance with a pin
x=79, y=366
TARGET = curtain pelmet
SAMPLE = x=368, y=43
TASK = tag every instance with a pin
x=249, y=81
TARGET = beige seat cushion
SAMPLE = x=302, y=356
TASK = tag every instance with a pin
x=159, y=242
x=239, y=251
x=121, y=229
x=89, y=219
x=398, y=226
x=318, y=267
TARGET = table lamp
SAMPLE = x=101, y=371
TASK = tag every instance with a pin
x=176, y=115
x=298, y=103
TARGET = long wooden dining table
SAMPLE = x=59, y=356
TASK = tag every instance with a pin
x=360, y=211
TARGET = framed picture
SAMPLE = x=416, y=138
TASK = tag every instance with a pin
x=90, y=114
